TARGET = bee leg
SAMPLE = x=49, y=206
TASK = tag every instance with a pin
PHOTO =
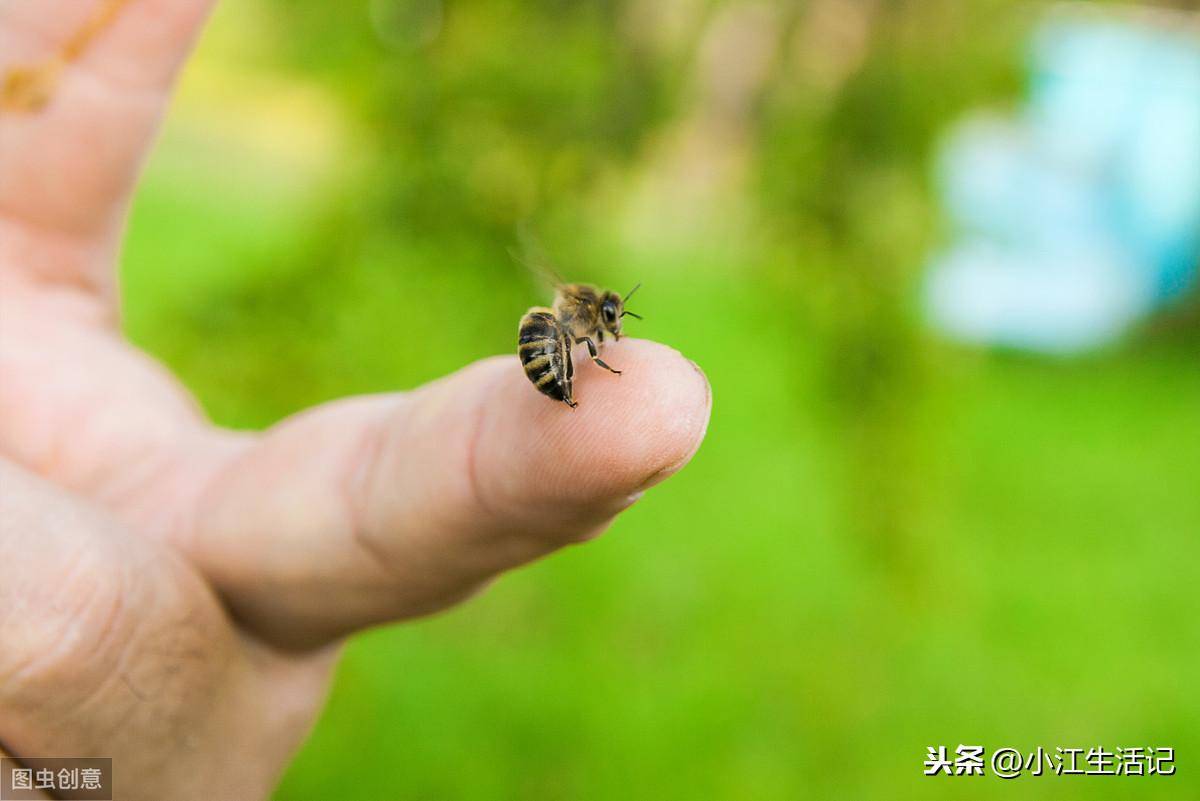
x=591, y=346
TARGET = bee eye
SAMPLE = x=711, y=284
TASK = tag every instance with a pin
x=610, y=312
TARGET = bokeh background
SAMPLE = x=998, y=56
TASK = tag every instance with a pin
x=888, y=541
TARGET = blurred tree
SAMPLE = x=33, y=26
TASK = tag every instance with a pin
x=484, y=114
x=848, y=121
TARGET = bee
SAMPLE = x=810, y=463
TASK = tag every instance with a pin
x=582, y=314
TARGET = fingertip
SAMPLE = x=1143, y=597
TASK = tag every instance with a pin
x=655, y=415
x=629, y=432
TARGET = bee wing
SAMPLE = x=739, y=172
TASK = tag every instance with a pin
x=543, y=272
x=532, y=257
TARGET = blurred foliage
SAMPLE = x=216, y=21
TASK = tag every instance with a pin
x=886, y=543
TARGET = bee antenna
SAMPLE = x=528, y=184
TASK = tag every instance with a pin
x=629, y=294
x=632, y=314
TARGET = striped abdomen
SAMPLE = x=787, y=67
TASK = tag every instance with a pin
x=545, y=352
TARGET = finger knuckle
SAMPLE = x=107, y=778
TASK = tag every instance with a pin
x=60, y=626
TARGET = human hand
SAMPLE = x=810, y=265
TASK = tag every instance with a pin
x=171, y=593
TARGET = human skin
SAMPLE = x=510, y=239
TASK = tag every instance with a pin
x=173, y=594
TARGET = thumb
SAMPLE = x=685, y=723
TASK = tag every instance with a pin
x=82, y=87
x=386, y=507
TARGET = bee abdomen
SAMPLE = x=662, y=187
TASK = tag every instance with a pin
x=545, y=355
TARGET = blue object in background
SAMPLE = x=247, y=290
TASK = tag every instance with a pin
x=1081, y=215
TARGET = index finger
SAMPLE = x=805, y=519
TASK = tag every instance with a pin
x=381, y=508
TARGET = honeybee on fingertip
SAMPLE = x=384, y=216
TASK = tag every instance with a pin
x=581, y=314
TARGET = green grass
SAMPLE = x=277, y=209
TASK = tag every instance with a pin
x=722, y=642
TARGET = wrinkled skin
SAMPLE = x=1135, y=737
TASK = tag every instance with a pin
x=171, y=592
